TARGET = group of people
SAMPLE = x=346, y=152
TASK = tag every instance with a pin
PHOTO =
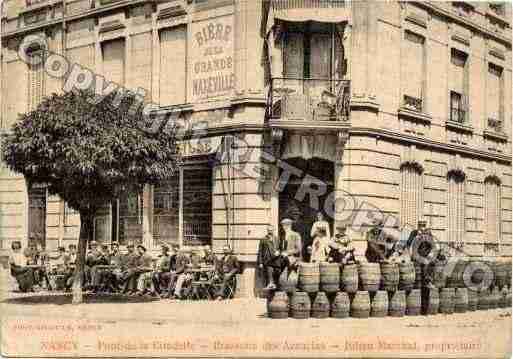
x=285, y=252
x=132, y=272
x=275, y=255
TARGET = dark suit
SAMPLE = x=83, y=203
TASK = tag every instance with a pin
x=229, y=266
x=266, y=257
x=182, y=260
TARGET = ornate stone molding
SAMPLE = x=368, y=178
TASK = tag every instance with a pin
x=276, y=140
x=413, y=157
x=456, y=166
x=342, y=139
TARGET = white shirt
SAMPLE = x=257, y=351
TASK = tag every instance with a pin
x=320, y=224
x=319, y=249
x=18, y=258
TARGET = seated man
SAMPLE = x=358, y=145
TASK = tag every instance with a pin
x=130, y=262
x=145, y=267
x=162, y=265
x=69, y=264
x=98, y=273
x=19, y=270
x=179, y=276
x=209, y=258
x=141, y=264
x=228, y=268
x=341, y=249
x=163, y=278
x=113, y=276
x=57, y=267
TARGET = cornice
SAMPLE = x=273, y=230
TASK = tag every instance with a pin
x=430, y=143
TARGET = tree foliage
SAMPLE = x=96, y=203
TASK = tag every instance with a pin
x=88, y=152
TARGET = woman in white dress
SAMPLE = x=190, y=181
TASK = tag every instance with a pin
x=320, y=247
x=320, y=223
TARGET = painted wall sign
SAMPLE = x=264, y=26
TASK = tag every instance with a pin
x=211, y=71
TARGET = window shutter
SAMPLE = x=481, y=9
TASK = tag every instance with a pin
x=293, y=55
x=413, y=69
x=114, y=61
x=173, y=45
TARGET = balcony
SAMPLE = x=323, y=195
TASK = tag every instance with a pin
x=458, y=115
x=309, y=102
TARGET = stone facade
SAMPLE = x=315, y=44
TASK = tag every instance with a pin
x=425, y=132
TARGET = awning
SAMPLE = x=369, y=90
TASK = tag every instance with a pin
x=323, y=11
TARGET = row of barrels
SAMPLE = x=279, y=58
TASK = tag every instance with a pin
x=331, y=277
x=362, y=304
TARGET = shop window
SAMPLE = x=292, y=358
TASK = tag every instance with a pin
x=166, y=209
x=197, y=206
x=37, y=200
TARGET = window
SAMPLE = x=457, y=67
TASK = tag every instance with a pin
x=493, y=210
x=68, y=213
x=458, y=86
x=412, y=199
x=35, y=78
x=456, y=206
x=498, y=8
x=173, y=47
x=114, y=61
x=166, y=209
x=37, y=214
x=197, y=206
x=413, y=71
x=494, y=100
x=127, y=218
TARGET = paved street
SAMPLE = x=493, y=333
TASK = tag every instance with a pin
x=243, y=321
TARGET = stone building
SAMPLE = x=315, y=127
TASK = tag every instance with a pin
x=357, y=109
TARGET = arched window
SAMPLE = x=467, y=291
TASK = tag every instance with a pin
x=455, y=206
x=492, y=210
x=412, y=193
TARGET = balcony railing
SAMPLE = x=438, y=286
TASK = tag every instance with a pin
x=458, y=115
x=309, y=99
x=412, y=103
x=494, y=124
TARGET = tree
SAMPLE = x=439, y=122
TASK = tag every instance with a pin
x=88, y=152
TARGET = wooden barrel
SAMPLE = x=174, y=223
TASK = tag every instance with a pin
x=501, y=274
x=418, y=276
x=349, y=278
x=370, y=276
x=508, y=297
x=288, y=281
x=321, y=306
x=447, y=300
x=279, y=306
x=379, y=304
x=431, y=303
x=472, y=300
x=329, y=277
x=495, y=298
x=503, y=303
x=309, y=277
x=389, y=276
x=413, y=302
x=360, y=307
x=397, y=305
x=300, y=305
x=460, y=300
x=508, y=276
x=341, y=306
x=483, y=302
x=439, y=278
x=406, y=276
x=455, y=277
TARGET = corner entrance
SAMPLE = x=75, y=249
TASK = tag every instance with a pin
x=296, y=202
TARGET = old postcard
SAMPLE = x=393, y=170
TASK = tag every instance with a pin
x=255, y=178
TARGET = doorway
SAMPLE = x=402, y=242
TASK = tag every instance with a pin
x=301, y=211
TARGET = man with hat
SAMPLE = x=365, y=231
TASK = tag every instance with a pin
x=142, y=274
x=130, y=262
x=162, y=266
x=266, y=258
x=98, y=271
x=228, y=268
x=91, y=258
x=178, y=275
x=290, y=245
x=376, y=248
x=340, y=247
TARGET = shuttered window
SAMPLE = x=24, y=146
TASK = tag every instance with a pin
x=412, y=194
x=457, y=76
x=141, y=62
x=456, y=206
x=493, y=210
x=35, y=83
x=413, y=65
x=494, y=98
x=293, y=55
x=173, y=46
x=114, y=61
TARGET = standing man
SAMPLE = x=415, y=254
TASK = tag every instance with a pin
x=267, y=252
x=376, y=248
x=144, y=270
x=229, y=267
x=290, y=246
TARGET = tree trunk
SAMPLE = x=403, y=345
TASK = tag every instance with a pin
x=86, y=226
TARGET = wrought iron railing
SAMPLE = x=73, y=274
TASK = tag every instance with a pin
x=296, y=4
x=494, y=124
x=458, y=115
x=412, y=103
x=309, y=99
